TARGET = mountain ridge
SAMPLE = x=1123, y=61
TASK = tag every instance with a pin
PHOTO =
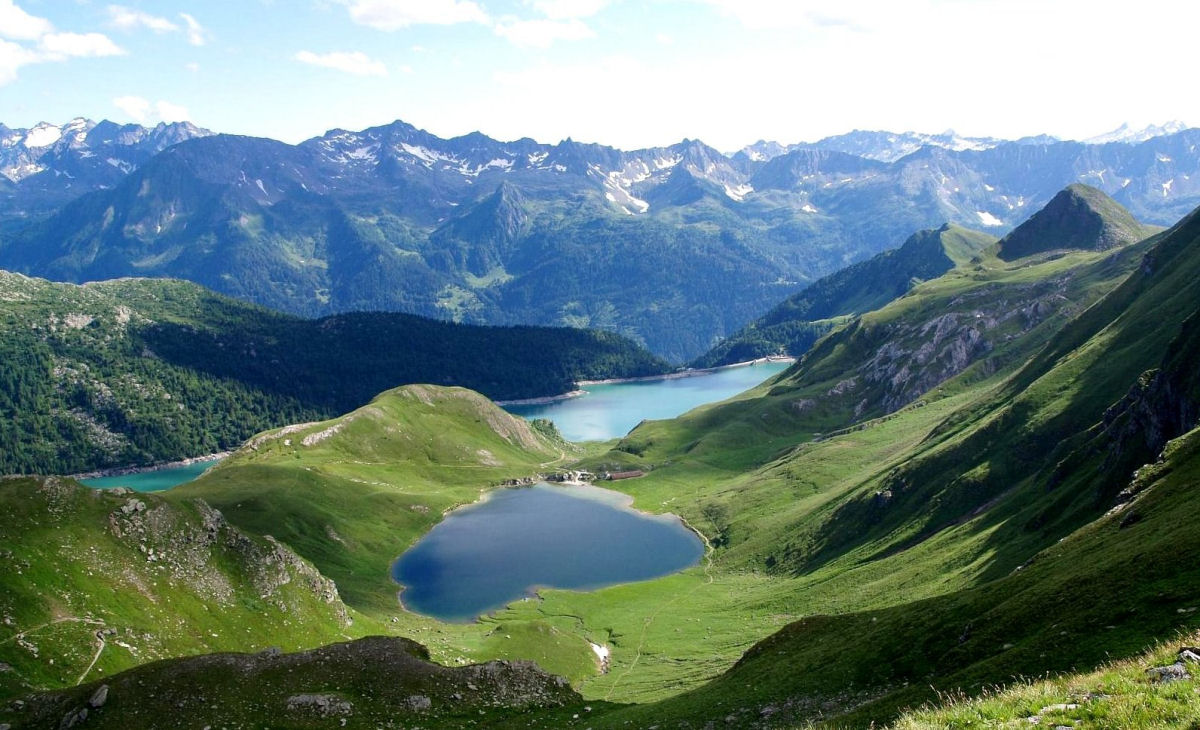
x=354, y=220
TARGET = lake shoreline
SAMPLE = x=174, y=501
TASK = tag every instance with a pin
x=690, y=373
x=121, y=471
x=621, y=501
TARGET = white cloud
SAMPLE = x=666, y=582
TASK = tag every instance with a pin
x=197, y=34
x=129, y=19
x=397, y=14
x=351, y=62
x=192, y=66
x=821, y=14
x=542, y=33
x=143, y=111
x=168, y=112
x=17, y=24
x=79, y=45
x=135, y=107
x=13, y=57
x=567, y=9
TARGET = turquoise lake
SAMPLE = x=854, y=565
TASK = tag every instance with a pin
x=152, y=481
x=609, y=411
x=491, y=553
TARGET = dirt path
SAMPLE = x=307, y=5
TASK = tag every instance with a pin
x=65, y=619
x=99, y=649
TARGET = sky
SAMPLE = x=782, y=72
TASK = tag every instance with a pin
x=623, y=72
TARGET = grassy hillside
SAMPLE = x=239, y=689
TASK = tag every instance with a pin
x=801, y=319
x=1007, y=531
x=99, y=581
x=140, y=371
x=1116, y=696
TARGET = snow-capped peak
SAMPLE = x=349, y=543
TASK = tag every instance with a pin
x=43, y=134
x=1128, y=135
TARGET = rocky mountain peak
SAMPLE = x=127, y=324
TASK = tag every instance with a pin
x=1078, y=217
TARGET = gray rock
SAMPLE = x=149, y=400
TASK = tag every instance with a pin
x=1170, y=673
x=72, y=719
x=1189, y=654
x=1058, y=708
x=324, y=705
x=418, y=703
x=99, y=697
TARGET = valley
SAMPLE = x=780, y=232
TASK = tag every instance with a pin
x=984, y=477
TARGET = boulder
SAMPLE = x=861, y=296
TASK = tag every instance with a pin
x=99, y=697
x=1170, y=673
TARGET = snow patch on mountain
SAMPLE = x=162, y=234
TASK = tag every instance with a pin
x=1127, y=135
x=988, y=219
x=43, y=135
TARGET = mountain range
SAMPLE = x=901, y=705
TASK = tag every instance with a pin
x=676, y=247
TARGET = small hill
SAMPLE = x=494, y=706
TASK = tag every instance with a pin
x=797, y=322
x=373, y=682
x=1079, y=217
x=352, y=493
x=137, y=371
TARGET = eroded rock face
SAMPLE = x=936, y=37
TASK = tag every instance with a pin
x=189, y=551
x=915, y=356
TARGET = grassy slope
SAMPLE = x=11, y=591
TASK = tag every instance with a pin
x=1114, y=697
x=984, y=492
x=77, y=564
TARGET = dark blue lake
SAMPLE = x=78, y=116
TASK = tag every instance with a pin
x=486, y=555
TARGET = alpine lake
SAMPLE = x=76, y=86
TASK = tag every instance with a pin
x=515, y=541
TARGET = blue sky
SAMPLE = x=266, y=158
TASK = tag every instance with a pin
x=620, y=72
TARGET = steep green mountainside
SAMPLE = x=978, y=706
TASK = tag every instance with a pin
x=1078, y=217
x=99, y=581
x=1015, y=531
x=141, y=371
x=801, y=319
